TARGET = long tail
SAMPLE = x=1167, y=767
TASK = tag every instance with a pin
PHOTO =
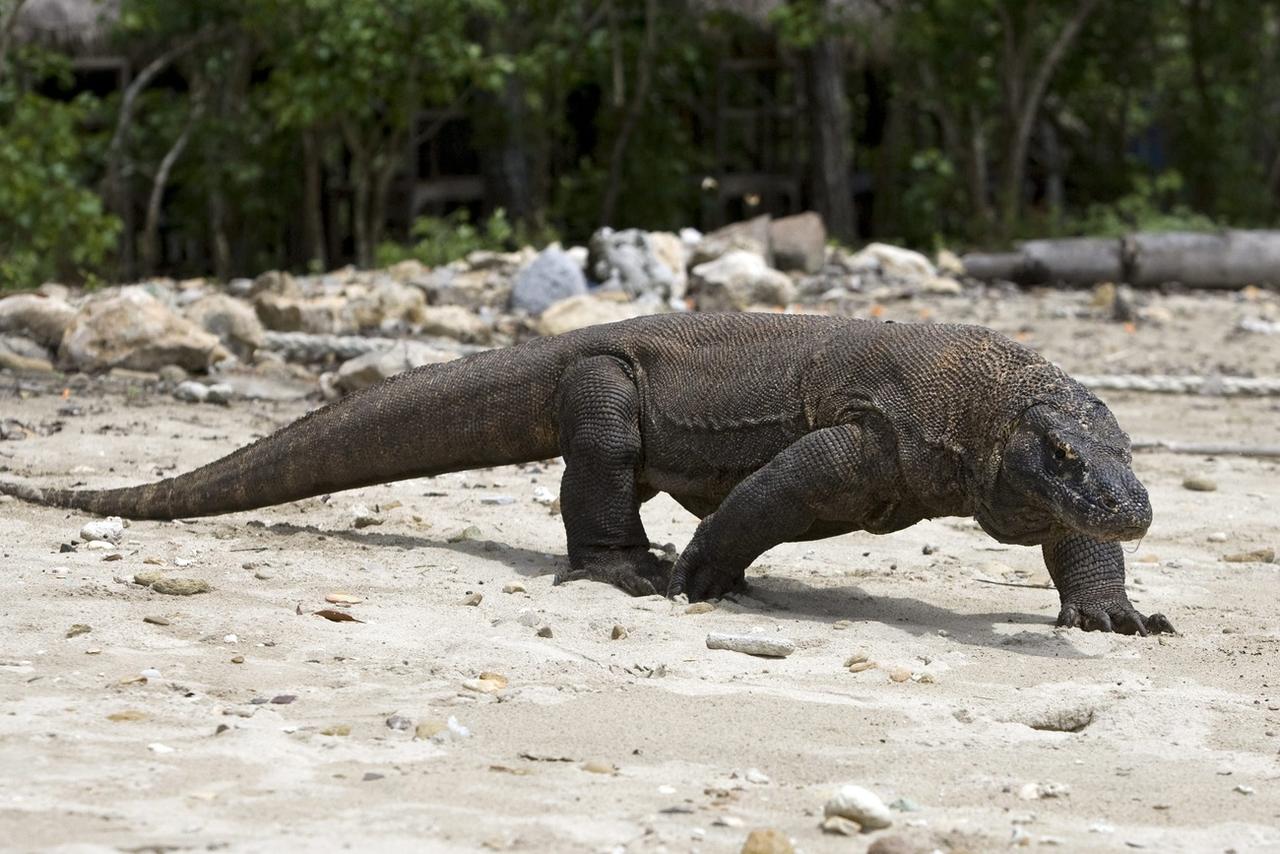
x=491, y=408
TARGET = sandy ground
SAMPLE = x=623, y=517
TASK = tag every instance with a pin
x=1180, y=750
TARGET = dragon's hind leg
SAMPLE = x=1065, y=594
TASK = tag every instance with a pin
x=599, y=419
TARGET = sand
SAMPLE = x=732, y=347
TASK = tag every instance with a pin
x=649, y=742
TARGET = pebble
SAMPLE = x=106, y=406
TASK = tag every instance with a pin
x=841, y=826
x=472, y=599
x=264, y=575
x=1037, y=791
x=180, y=586
x=149, y=673
x=904, y=805
x=370, y=776
x=1217, y=537
x=862, y=805
x=598, y=766
x=752, y=644
x=618, y=633
x=363, y=517
x=219, y=393
x=110, y=529
x=1265, y=555
x=191, y=391
x=156, y=621
x=1199, y=484
x=486, y=683
x=343, y=599
x=78, y=629
x=1243, y=789
x=859, y=666
x=283, y=699
x=543, y=496
x=727, y=821
x=700, y=608
x=891, y=845
x=399, y=723
x=513, y=587
x=157, y=747
x=899, y=674
x=231, y=639
x=528, y=617
x=767, y=841
x=237, y=659
x=429, y=729
x=498, y=500
x=471, y=532
x=543, y=631
x=755, y=775
x=841, y=625
x=93, y=650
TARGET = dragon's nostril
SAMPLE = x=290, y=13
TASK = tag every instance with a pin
x=1110, y=502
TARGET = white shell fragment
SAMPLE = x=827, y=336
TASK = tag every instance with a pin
x=862, y=805
x=753, y=644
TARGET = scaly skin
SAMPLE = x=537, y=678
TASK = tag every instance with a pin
x=770, y=428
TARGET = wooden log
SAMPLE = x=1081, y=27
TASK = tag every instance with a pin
x=1227, y=259
x=991, y=266
x=1209, y=450
x=1072, y=261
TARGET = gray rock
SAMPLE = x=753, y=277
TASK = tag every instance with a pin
x=737, y=281
x=321, y=315
x=234, y=322
x=372, y=368
x=23, y=354
x=456, y=322
x=191, y=391
x=638, y=263
x=129, y=328
x=799, y=242
x=386, y=305
x=275, y=282
x=42, y=319
x=751, y=235
x=551, y=277
x=110, y=529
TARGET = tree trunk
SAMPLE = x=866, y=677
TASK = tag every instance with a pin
x=507, y=165
x=631, y=118
x=8, y=21
x=313, y=200
x=831, y=140
x=1025, y=103
x=151, y=230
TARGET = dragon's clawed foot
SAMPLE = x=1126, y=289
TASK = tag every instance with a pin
x=636, y=571
x=700, y=578
x=1112, y=616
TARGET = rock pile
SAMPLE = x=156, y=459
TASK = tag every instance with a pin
x=347, y=329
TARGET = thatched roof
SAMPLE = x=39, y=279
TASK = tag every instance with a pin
x=77, y=26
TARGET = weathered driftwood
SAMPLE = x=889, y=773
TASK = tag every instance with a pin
x=1203, y=449
x=1225, y=259
x=309, y=348
x=1208, y=386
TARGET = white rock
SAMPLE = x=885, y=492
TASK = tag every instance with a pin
x=149, y=673
x=755, y=775
x=191, y=391
x=894, y=261
x=157, y=747
x=528, y=617
x=738, y=280
x=498, y=500
x=861, y=805
x=753, y=644
x=219, y=393
x=110, y=529
x=130, y=328
x=542, y=495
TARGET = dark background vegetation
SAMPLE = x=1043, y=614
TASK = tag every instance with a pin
x=224, y=137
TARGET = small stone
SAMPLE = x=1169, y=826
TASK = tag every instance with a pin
x=756, y=776
x=899, y=674
x=429, y=729
x=190, y=391
x=472, y=599
x=1265, y=555
x=618, y=633
x=598, y=766
x=752, y=644
x=543, y=496
x=727, y=821
x=767, y=841
x=157, y=747
x=904, y=805
x=471, y=532
x=513, y=587
x=1196, y=483
x=928, y=549
x=862, y=805
x=343, y=599
x=370, y=776
x=1243, y=789
x=486, y=683
x=283, y=699
x=146, y=579
x=1217, y=537
x=840, y=826
x=127, y=715
x=529, y=617
x=180, y=586
x=498, y=500
x=149, y=673
x=78, y=629
x=363, y=517
x=700, y=608
x=156, y=621
x=237, y=659
x=543, y=631
x=264, y=575
x=93, y=650
x=231, y=638
x=841, y=625
x=341, y=730
x=857, y=658
x=1037, y=791
x=399, y=723
x=859, y=666
x=110, y=529
x=891, y=845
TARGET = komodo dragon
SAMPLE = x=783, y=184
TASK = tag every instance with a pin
x=770, y=428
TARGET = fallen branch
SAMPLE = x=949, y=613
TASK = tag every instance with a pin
x=1212, y=386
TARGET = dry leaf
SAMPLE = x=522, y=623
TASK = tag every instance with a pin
x=337, y=616
x=343, y=599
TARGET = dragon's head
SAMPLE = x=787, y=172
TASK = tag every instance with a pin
x=1076, y=470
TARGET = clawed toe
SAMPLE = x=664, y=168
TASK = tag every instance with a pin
x=1120, y=618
